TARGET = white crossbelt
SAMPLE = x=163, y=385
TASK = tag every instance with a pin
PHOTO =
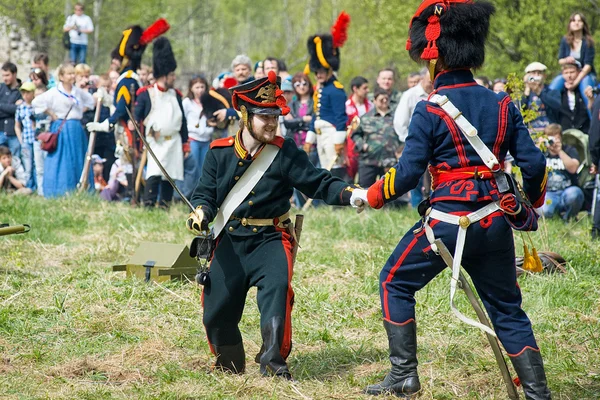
x=463, y=223
x=244, y=185
x=470, y=132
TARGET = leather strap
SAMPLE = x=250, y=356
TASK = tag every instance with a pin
x=261, y=221
x=468, y=130
x=463, y=223
x=244, y=185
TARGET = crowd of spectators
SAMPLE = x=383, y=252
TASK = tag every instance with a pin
x=568, y=103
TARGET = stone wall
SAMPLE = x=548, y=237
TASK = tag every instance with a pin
x=16, y=46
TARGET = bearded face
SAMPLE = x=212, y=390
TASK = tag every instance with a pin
x=264, y=127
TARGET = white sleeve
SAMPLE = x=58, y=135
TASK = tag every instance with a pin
x=402, y=117
x=68, y=22
x=42, y=102
x=89, y=23
x=87, y=100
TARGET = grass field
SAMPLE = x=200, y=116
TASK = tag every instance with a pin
x=72, y=329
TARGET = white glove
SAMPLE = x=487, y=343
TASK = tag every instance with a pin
x=103, y=126
x=359, y=200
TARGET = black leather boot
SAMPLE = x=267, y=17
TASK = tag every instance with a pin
x=271, y=361
x=402, y=380
x=530, y=370
x=230, y=358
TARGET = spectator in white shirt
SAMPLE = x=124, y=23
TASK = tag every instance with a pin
x=408, y=101
x=402, y=117
x=79, y=26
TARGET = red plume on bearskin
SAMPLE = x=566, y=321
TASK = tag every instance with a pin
x=339, y=30
x=159, y=27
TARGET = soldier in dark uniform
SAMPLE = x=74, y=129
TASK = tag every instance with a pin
x=468, y=196
x=255, y=246
x=328, y=128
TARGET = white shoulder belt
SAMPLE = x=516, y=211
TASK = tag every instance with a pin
x=463, y=222
x=244, y=185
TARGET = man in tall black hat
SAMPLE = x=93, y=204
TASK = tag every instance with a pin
x=463, y=132
x=160, y=109
x=129, y=53
x=245, y=188
x=328, y=129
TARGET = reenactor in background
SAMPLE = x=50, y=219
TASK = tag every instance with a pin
x=159, y=107
x=328, y=129
x=463, y=133
x=255, y=244
x=129, y=52
x=375, y=139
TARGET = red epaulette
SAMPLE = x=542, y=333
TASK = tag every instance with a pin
x=278, y=141
x=142, y=90
x=223, y=142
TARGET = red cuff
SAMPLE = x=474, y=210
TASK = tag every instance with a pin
x=186, y=147
x=375, y=195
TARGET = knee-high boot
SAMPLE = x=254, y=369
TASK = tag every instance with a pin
x=402, y=380
x=530, y=370
x=271, y=360
x=230, y=358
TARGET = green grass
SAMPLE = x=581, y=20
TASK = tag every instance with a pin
x=71, y=328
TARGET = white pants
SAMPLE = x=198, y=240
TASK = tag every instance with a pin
x=326, y=142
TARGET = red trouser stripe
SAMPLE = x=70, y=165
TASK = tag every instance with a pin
x=286, y=346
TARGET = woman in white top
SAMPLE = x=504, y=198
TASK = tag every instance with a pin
x=199, y=133
x=62, y=168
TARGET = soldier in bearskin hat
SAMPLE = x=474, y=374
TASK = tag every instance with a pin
x=129, y=51
x=246, y=184
x=160, y=109
x=463, y=132
x=328, y=129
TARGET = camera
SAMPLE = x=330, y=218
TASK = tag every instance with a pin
x=549, y=142
x=596, y=90
x=532, y=79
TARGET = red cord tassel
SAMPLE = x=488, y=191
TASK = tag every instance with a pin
x=408, y=44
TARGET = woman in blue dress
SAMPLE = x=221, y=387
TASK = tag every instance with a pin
x=62, y=168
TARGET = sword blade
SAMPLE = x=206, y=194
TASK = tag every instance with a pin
x=464, y=284
x=160, y=166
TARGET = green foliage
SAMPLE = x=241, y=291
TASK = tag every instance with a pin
x=71, y=328
x=208, y=34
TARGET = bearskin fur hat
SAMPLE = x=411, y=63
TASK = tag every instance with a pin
x=215, y=100
x=163, y=59
x=327, y=46
x=455, y=31
x=134, y=41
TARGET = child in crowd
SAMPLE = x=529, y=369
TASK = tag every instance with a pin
x=42, y=124
x=116, y=188
x=98, y=167
x=25, y=131
x=12, y=174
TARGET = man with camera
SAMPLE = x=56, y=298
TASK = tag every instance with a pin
x=562, y=195
x=79, y=26
x=540, y=97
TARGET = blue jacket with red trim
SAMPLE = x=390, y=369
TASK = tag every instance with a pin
x=123, y=96
x=435, y=139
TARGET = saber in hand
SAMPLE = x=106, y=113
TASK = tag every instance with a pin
x=160, y=166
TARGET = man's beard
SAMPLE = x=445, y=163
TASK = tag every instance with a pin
x=262, y=138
